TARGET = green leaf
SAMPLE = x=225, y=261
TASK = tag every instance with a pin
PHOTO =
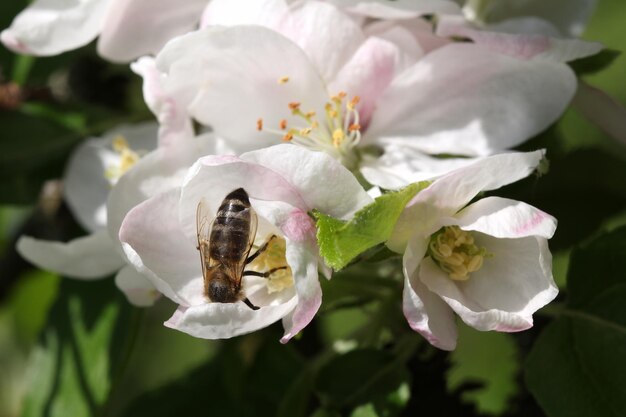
x=340, y=241
x=595, y=63
x=490, y=359
x=70, y=370
x=360, y=376
x=578, y=365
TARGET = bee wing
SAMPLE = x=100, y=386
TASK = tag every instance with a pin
x=203, y=229
x=253, y=227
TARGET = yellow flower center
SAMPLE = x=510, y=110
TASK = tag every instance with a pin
x=455, y=252
x=127, y=159
x=336, y=133
x=274, y=257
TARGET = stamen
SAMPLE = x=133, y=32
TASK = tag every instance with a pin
x=294, y=105
x=272, y=258
x=455, y=252
x=127, y=158
x=288, y=137
x=283, y=80
x=259, y=124
x=283, y=124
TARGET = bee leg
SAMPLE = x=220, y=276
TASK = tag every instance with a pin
x=264, y=274
x=249, y=304
x=260, y=250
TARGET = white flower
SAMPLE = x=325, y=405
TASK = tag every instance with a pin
x=321, y=78
x=283, y=183
x=488, y=262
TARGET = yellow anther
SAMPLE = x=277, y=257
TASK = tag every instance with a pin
x=332, y=113
x=305, y=131
x=354, y=127
x=456, y=253
x=288, y=136
x=294, y=105
x=352, y=103
x=283, y=124
x=259, y=124
x=283, y=80
x=127, y=158
x=310, y=114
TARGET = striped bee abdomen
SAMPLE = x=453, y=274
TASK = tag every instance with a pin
x=230, y=234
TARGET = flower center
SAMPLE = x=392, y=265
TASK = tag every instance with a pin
x=271, y=258
x=336, y=133
x=127, y=158
x=455, y=252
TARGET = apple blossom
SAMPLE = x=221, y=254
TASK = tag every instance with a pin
x=127, y=29
x=314, y=76
x=488, y=261
x=284, y=183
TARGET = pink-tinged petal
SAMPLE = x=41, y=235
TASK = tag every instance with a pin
x=244, y=12
x=399, y=9
x=328, y=36
x=137, y=288
x=140, y=27
x=90, y=257
x=450, y=193
x=504, y=218
x=424, y=310
x=302, y=259
x=464, y=99
x=85, y=186
x=49, y=27
x=230, y=78
x=602, y=110
x=512, y=284
x=368, y=72
x=519, y=45
x=174, y=122
x=320, y=181
x=404, y=36
x=569, y=16
x=155, y=245
x=400, y=166
x=213, y=177
x=223, y=321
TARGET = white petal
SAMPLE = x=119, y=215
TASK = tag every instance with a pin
x=174, y=122
x=503, y=295
x=465, y=100
x=85, y=187
x=450, y=193
x=525, y=45
x=139, y=27
x=504, y=218
x=49, y=27
x=213, y=177
x=302, y=259
x=328, y=36
x=90, y=257
x=400, y=166
x=153, y=241
x=425, y=311
x=321, y=181
x=266, y=13
x=223, y=321
x=399, y=9
x=137, y=288
x=368, y=72
x=229, y=78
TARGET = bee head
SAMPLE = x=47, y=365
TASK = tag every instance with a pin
x=222, y=289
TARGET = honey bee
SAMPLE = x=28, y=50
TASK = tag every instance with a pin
x=225, y=246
